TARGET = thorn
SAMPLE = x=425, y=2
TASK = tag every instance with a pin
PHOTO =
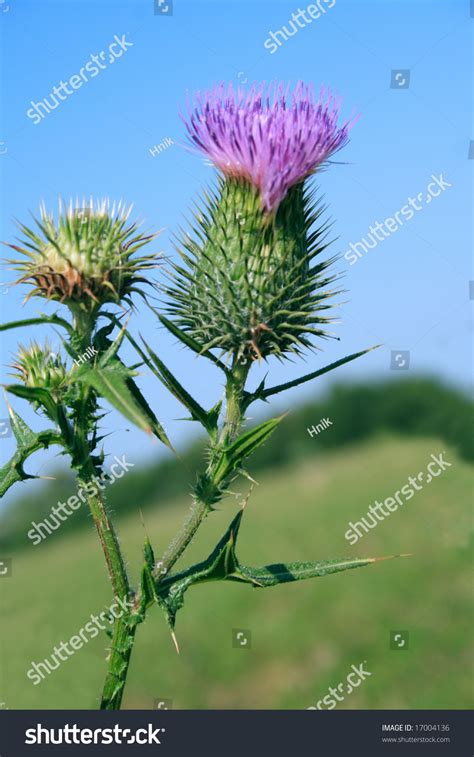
x=390, y=557
x=175, y=641
x=5, y=397
x=247, y=475
x=244, y=503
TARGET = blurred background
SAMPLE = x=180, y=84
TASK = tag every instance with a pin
x=405, y=68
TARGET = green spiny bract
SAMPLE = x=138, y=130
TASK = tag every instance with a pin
x=249, y=285
x=86, y=258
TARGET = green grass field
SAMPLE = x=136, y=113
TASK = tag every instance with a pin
x=305, y=636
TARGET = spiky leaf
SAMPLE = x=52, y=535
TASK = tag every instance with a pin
x=220, y=564
x=224, y=565
x=207, y=419
x=43, y=319
x=262, y=393
x=114, y=382
x=185, y=338
x=28, y=442
x=36, y=395
x=232, y=457
x=281, y=573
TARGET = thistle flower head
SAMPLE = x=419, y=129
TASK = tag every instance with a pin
x=39, y=367
x=268, y=137
x=86, y=257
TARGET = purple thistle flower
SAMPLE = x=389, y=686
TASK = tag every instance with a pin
x=268, y=137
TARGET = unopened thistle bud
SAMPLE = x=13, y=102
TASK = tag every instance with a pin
x=251, y=286
x=39, y=367
x=85, y=259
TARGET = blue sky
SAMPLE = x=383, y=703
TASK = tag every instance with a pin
x=410, y=292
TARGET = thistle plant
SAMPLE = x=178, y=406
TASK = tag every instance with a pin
x=252, y=281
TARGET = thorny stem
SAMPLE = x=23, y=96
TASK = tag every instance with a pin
x=123, y=634
x=123, y=639
x=201, y=506
x=87, y=470
x=105, y=529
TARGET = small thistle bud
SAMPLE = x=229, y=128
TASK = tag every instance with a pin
x=251, y=286
x=86, y=258
x=40, y=368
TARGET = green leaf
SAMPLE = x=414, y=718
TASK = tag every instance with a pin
x=36, y=395
x=156, y=426
x=114, y=383
x=148, y=593
x=263, y=394
x=112, y=348
x=28, y=442
x=208, y=420
x=280, y=573
x=233, y=455
x=258, y=394
x=21, y=431
x=109, y=358
x=190, y=342
x=100, y=340
x=54, y=409
x=223, y=565
x=47, y=319
x=220, y=565
x=214, y=414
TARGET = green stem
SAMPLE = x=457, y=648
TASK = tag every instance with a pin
x=108, y=538
x=202, y=504
x=123, y=634
x=175, y=549
x=123, y=639
x=235, y=390
x=84, y=322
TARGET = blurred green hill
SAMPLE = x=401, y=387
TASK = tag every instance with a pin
x=304, y=636
x=420, y=407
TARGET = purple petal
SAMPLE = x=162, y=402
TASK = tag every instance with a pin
x=269, y=137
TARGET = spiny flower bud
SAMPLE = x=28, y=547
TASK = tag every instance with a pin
x=86, y=258
x=249, y=286
x=39, y=367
